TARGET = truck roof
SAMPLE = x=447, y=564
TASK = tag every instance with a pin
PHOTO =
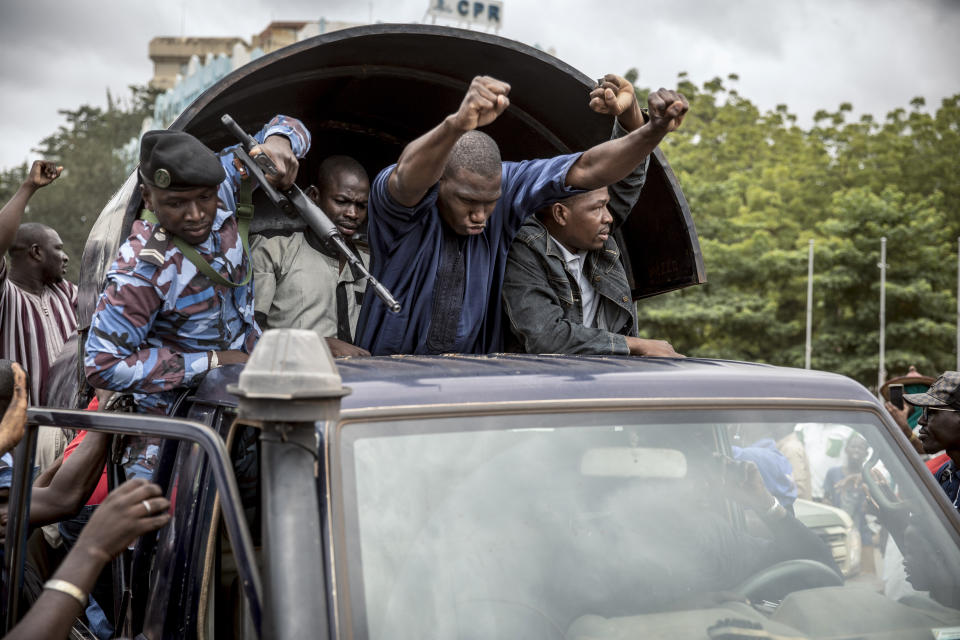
x=405, y=381
x=452, y=379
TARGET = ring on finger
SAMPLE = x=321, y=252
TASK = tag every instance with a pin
x=146, y=505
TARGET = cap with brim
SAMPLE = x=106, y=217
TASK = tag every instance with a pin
x=176, y=161
x=944, y=392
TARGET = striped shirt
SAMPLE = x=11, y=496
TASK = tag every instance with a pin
x=33, y=327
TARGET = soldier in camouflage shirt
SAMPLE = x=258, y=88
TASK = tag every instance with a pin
x=161, y=322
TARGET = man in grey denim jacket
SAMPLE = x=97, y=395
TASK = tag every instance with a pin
x=564, y=263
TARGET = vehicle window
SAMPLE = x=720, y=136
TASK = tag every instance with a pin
x=207, y=597
x=612, y=524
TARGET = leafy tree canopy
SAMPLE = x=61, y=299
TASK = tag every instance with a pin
x=760, y=187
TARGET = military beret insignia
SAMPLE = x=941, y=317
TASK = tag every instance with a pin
x=161, y=178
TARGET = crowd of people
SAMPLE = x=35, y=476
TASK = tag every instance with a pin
x=189, y=291
x=480, y=253
x=484, y=255
x=132, y=509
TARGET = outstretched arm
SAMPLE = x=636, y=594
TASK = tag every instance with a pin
x=616, y=96
x=285, y=140
x=613, y=160
x=422, y=161
x=41, y=174
x=114, y=525
x=73, y=482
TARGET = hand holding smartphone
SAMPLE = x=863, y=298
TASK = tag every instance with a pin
x=896, y=395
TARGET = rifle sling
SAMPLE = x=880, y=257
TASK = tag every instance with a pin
x=244, y=215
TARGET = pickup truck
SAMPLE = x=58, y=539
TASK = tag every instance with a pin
x=506, y=496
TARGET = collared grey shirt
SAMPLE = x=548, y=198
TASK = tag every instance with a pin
x=588, y=295
x=295, y=286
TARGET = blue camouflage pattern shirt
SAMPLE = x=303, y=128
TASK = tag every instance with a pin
x=156, y=322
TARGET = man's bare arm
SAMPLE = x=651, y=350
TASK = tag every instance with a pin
x=116, y=523
x=41, y=174
x=340, y=348
x=612, y=160
x=46, y=476
x=421, y=164
x=73, y=483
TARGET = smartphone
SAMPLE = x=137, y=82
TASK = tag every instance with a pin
x=896, y=395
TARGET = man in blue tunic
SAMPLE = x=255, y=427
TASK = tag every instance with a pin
x=441, y=221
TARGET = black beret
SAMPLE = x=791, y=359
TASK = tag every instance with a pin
x=177, y=161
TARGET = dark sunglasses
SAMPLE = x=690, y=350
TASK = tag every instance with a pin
x=926, y=411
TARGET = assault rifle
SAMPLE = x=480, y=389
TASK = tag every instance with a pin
x=294, y=202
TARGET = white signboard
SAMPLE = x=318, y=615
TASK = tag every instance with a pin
x=487, y=13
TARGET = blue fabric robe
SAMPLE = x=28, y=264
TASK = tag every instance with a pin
x=405, y=245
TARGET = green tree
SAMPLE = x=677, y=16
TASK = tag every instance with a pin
x=920, y=306
x=11, y=179
x=760, y=187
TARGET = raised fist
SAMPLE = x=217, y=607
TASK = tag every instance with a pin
x=43, y=173
x=667, y=109
x=614, y=95
x=484, y=101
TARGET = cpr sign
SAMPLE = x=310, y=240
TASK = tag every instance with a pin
x=487, y=13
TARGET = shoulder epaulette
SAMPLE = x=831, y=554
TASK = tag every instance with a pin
x=155, y=250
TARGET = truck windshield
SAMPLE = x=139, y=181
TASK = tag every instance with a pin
x=621, y=524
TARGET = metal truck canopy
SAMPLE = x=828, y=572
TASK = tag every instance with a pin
x=368, y=91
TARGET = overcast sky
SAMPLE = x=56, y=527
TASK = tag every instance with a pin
x=876, y=54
